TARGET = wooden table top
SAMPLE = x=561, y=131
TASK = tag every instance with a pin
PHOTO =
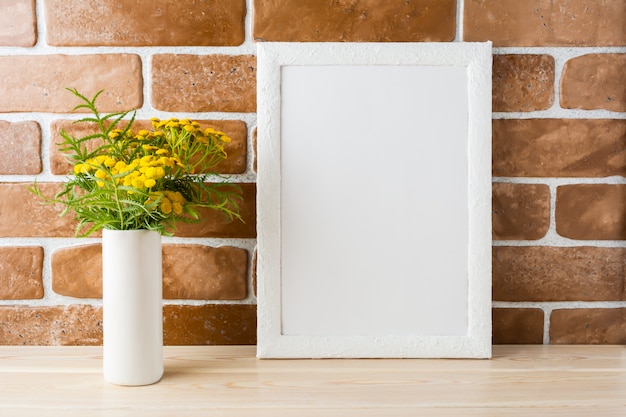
x=529, y=381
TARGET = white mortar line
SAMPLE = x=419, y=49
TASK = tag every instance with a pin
x=460, y=7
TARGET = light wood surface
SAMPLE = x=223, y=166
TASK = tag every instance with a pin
x=229, y=381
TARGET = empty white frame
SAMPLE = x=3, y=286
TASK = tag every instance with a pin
x=374, y=200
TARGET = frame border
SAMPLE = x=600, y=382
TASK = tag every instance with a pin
x=477, y=58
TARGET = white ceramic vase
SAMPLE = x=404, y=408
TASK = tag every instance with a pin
x=132, y=307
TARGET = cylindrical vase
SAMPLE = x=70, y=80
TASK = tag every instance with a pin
x=132, y=301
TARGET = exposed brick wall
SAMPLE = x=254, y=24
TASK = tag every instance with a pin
x=559, y=162
x=559, y=152
x=204, y=68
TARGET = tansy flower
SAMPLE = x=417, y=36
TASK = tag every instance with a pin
x=138, y=182
x=109, y=162
x=165, y=205
x=159, y=172
x=175, y=196
x=149, y=172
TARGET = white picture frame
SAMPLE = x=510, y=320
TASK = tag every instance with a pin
x=374, y=200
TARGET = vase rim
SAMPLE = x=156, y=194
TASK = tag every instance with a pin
x=128, y=231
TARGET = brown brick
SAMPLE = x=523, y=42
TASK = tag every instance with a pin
x=354, y=21
x=558, y=274
x=559, y=148
x=517, y=326
x=204, y=273
x=77, y=271
x=82, y=325
x=520, y=211
x=595, y=81
x=23, y=142
x=49, y=326
x=25, y=215
x=219, y=324
x=204, y=83
x=214, y=224
x=21, y=273
x=588, y=326
x=18, y=23
x=38, y=82
x=545, y=22
x=591, y=211
x=522, y=82
x=235, y=129
x=144, y=23
x=189, y=272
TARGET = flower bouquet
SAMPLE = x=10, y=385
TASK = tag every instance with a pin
x=146, y=179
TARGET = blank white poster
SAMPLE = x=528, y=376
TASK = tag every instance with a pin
x=374, y=200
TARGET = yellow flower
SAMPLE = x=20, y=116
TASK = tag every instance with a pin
x=149, y=183
x=224, y=138
x=145, y=160
x=165, y=206
x=178, y=162
x=85, y=168
x=120, y=166
x=159, y=172
x=150, y=172
x=166, y=162
x=175, y=196
x=178, y=208
x=138, y=182
x=78, y=169
x=109, y=162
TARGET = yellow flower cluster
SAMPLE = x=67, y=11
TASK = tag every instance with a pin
x=141, y=173
x=131, y=176
x=167, y=201
x=190, y=127
x=139, y=160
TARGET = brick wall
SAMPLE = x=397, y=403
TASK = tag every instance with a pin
x=559, y=161
x=559, y=151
